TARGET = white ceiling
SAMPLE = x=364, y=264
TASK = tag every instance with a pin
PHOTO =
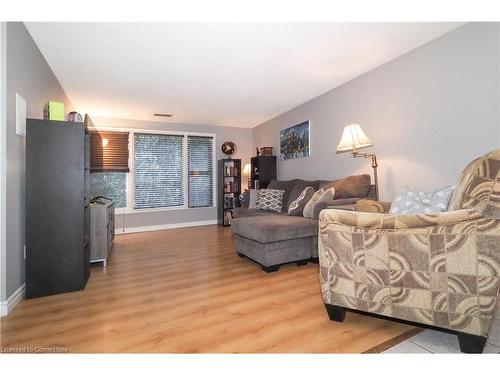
x=231, y=74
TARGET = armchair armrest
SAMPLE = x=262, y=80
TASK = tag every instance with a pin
x=368, y=205
x=372, y=220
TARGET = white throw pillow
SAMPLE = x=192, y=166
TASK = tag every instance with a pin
x=415, y=201
x=328, y=195
x=252, y=198
x=309, y=207
x=270, y=199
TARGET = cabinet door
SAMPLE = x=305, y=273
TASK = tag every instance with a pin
x=55, y=193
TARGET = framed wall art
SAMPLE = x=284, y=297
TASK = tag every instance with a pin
x=294, y=141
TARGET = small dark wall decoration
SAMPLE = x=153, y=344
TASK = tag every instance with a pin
x=294, y=141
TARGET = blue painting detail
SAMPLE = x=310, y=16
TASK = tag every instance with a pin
x=294, y=141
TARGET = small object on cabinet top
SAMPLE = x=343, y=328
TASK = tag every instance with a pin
x=53, y=111
x=75, y=117
x=266, y=151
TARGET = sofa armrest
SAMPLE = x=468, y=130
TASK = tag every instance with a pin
x=372, y=220
x=333, y=202
x=368, y=205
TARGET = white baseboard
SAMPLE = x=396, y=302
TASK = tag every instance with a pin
x=7, y=306
x=164, y=226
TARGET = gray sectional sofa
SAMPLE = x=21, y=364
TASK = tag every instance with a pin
x=275, y=238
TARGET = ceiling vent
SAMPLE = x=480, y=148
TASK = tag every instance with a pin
x=162, y=114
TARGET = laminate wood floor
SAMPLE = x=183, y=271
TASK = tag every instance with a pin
x=186, y=291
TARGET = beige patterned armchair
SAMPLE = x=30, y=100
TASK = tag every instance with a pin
x=440, y=270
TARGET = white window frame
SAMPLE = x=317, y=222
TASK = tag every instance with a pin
x=129, y=208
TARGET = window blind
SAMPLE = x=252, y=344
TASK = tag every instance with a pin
x=200, y=171
x=158, y=170
x=108, y=151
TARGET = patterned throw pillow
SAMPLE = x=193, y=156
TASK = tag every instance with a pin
x=414, y=201
x=309, y=207
x=297, y=206
x=270, y=199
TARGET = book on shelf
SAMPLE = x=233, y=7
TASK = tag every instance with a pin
x=228, y=217
x=230, y=171
x=230, y=202
x=231, y=187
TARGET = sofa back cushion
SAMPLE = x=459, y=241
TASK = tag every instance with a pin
x=287, y=187
x=349, y=187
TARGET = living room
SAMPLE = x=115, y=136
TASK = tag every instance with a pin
x=250, y=187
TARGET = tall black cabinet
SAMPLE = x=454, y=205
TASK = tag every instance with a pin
x=263, y=171
x=57, y=207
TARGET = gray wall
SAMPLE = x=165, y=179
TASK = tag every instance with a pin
x=428, y=112
x=29, y=75
x=242, y=138
x=3, y=146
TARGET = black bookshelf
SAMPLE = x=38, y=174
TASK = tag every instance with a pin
x=263, y=171
x=228, y=189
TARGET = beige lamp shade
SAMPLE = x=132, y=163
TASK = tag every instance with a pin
x=352, y=139
x=246, y=170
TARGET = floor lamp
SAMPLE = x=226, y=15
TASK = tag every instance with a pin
x=353, y=139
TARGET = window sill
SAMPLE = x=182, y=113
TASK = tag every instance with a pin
x=125, y=211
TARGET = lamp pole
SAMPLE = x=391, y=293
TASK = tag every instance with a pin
x=365, y=155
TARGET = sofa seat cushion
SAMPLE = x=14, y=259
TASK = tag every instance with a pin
x=271, y=228
x=240, y=212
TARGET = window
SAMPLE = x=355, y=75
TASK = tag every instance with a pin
x=109, y=158
x=200, y=171
x=158, y=170
x=167, y=170
x=110, y=184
